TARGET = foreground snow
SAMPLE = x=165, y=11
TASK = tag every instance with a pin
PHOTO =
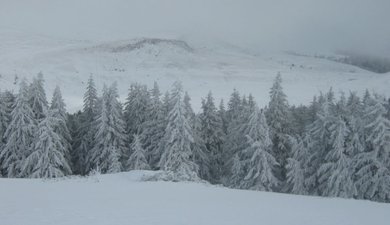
x=124, y=199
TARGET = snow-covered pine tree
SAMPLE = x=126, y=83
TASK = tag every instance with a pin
x=341, y=108
x=4, y=119
x=136, y=109
x=235, y=137
x=318, y=141
x=47, y=159
x=354, y=106
x=374, y=164
x=301, y=117
x=260, y=165
x=154, y=128
x=212, y=134
x=166, y=103
x=137, y=159
x=9, y=100
x=335, y=175
x=222, y=115
x=73, y=123
x=234, y=106
x=90, y=98
x=200, y=153
x=155, y=102
x=388, y=109
x=110, y=134
x=177, y=156
x=84, y=137
x=20, y=134
x=296, y=167
x=190, y=114
x=58, y=111
x=37, y=98
x=237, y=172
x=278, y=117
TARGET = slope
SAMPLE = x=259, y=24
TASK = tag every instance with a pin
x=200, y=65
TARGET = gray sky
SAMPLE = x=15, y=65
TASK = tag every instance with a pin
x=362, y=25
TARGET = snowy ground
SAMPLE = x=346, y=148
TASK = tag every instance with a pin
x=124, y=199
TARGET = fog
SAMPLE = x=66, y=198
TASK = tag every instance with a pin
x=314, y=25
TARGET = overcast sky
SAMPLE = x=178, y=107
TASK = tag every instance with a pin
x=285, y=24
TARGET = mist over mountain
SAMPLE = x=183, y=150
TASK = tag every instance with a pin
x=315, y=26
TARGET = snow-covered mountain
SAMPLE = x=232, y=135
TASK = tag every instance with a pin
x=202, y=66
x=123, y=199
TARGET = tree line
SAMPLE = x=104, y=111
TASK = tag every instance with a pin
x=335, y=146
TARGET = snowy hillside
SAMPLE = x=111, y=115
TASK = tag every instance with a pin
x=123, y=199
x=202, y=66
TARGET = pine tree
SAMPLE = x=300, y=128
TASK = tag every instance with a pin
x=178, y=155
x=201, y=156
x=84, y=140
x=20, y=134
x=354, y=106
x=154, y=128
x=237, y=172
x=278, y=117
x=110, y=135
x=37, y=98
x=374, y=164
x=260, y=163
x=4, y=119
x=235, y=137
x=388, y=109
x=58, y=111
x=47, y=159
x=74, y=126
x=190, y=114
x=137, y=160
x=136, y=108
x=211, y=129
x=296, y=167
x=9, y=101
x=319, y=144
x=222, y=115
x=336, y=172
